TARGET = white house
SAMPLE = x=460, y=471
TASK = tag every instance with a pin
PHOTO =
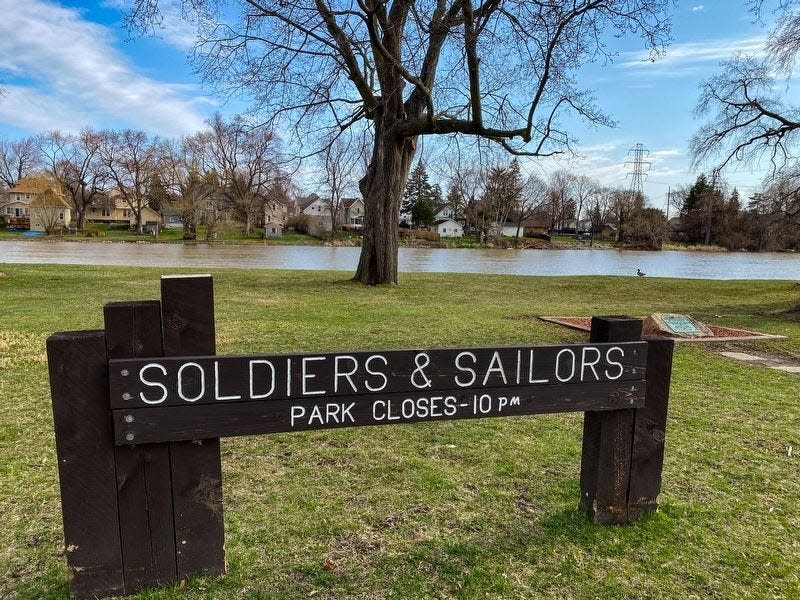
x=37, y=203
x=444, y=212
x=315, y=206
x=353, y=212
x=448, y=228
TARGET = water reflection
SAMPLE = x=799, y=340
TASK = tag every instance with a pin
x=702, y=265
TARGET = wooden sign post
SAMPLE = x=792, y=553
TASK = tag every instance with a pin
x=139, y=409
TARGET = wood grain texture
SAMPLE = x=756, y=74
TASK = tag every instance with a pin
x=647, y=458
x=143, y=475
x=209, y=379
x=157, y=423
x=79, y=387
x=608, y=439
x=187, y=305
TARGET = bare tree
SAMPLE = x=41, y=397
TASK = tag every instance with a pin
x=559, y=202
x=501, y=195
x=74, y=160
x=132, y=158
x=497, y=70
x=533, y=196
x=189, y=181
x=582, y=188
x=244, y=157
x=468, y=180
x=339, y=163
x=18, y=159
x=749, y=122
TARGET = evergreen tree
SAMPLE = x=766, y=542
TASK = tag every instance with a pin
x=422, y=212
x=417, y=188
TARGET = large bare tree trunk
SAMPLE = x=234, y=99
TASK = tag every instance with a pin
x=382, y=188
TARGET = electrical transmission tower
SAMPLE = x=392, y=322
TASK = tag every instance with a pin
x=639, y=165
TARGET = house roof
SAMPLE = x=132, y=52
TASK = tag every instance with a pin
x=348, y=202
x=40, y=184
x=304, y=203
x=34, y=184
x=441, y=221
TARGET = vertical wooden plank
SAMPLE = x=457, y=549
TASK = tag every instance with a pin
x=144, y=487
x=608, y=439
x=85, y=450
x=187, y=305
x=647, y=459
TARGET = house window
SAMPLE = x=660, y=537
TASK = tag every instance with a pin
x=19, y=197
x=17, y=212
x=105, y=212
x=61, y=216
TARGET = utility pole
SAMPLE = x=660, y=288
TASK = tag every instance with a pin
x=711, y=197
x=638, y=164
x=669, y=200
x=637, y=175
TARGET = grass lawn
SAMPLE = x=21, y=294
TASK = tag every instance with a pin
x=460, y=509
x=225, y=234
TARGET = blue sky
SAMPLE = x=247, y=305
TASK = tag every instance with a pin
x=70, y=64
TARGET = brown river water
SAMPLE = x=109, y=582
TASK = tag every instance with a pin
x=683, y=264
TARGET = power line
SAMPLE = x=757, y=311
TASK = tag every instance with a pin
x=637, y=175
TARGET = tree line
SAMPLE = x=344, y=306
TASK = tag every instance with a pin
x=482, y=196
x=230, y=167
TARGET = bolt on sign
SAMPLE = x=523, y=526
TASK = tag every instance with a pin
x=171, y=398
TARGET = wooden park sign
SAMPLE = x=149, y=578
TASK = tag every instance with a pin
x=140, y=406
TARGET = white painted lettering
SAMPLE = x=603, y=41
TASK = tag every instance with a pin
x=346, y=375
x=450, y=407
x=217, y=395
x=585, y=363
x=331, y=412
x=346, y=414
x=202, y=391
x=459, y=366
x=297, y=413
x=153, y=383
x=367, y=384
x=306, y=375
x=316, y=413
x=495, y=369
x=375, y=406
x=615, y=363
x=253, y=395
x=571, y=354
x=530, y=371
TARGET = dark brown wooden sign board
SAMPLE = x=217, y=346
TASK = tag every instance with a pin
x=143, y=439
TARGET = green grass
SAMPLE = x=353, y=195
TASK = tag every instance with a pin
x=226, y=233
x=461, y=509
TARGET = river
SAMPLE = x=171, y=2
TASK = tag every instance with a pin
x=588, y=261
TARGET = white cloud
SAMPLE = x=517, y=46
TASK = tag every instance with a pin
x=690, y=57
x=64, y=68
x=699, y=8
x=609, y=163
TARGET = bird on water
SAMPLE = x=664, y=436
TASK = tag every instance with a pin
x=639, y=273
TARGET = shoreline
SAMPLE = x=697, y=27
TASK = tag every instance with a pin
x=509, y=244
